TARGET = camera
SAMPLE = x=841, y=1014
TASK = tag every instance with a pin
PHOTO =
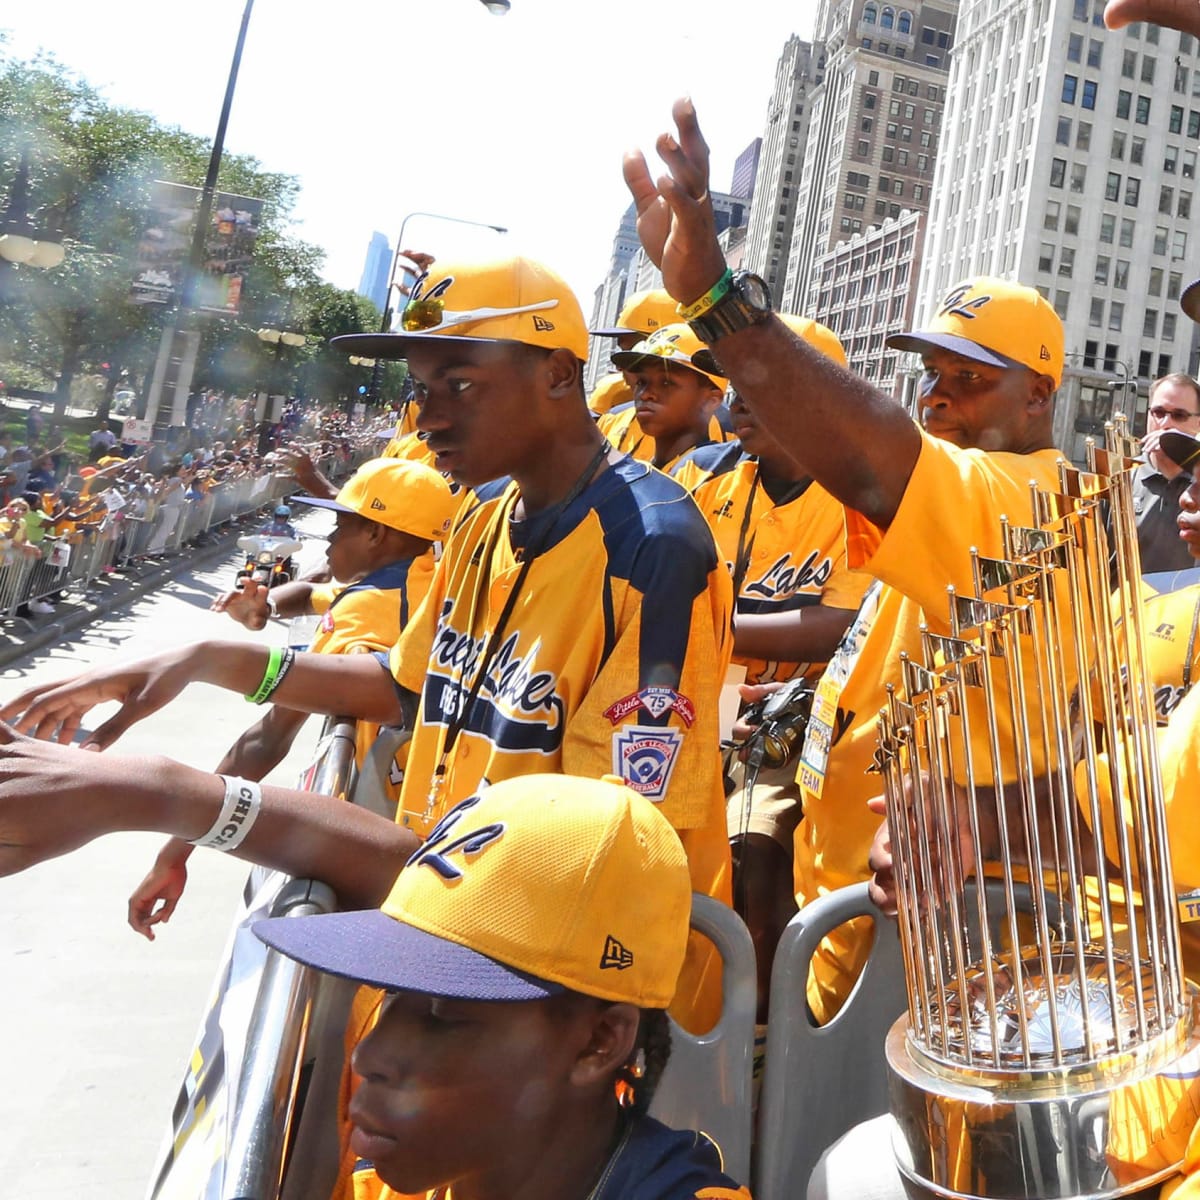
x=781, y=720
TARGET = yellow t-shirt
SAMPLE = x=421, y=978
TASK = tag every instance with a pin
x=782, y=556
x=611, y=662
x=368, y=616
x=953, y=502
x=1171, y=621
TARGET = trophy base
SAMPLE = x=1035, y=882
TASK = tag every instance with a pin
x=1111, y=1127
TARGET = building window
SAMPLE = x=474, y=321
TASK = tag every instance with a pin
x=1189, y=164
x=1175, y=120
x=1112, y=186
x=869, y=100
x=904, y=23
x=888, y=155
x=873, y=78
x=866, y=124
x=1121, y=274
x=894, y=108
x=928, y=117
x=1103, y=265
x=1088, y=98
x=1078, y=177
x=1096, y=314
x=1117, y=149
x=1166, y=199
x=870, y=14
x=1181, y=78
x=902, y=158
x=1070, y=84
x=1095, y=50
x=1062, y=302
x=1124, y=100
x=1116, y=314
x=1160, y=239
x=1148, y=64
x=922, y=162
x=1137, y=151
x=1185, y=205
x=910, y=111
x=897, y=187
x=1168, y=331
x=1108, y=227
x=1156, y=281
x=1179, y=245
x=1174, y=283
x=1128, y=226
x=887, y=19
x=1193, y=123
x=1170, y=159
x=881, y=208
x=926, y=140
x=1133, y=191
x=1142, y=112
x=918, y=192
x=1046, y=258
x=1081, y=10
x=906, y=133
x=862, y=149
x=1071, y=224
x=1083, y=136
x=1075, y=48
x=1066, y=261
x=1150, y=323
x=1063, y=135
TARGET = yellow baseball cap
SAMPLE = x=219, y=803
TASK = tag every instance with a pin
x=508, y=300
x=400, y=493
x=610, y=390
x=538, y=885
x=672, y=343
x=819, y=336
x=643, y=313
x=993, y=321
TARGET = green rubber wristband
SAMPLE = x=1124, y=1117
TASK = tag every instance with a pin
x=269, y=676
x=699, y=307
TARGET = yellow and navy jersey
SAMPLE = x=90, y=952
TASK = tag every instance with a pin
x=961, y=494
x=620, y=426
x=369, y=616
x=785, y=549
x=650, y=1162
x=611, y=661
x=610, y=390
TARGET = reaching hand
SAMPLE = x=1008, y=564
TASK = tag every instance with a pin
x=53, y=711
x=1183, y=15
x=246, y=604
x=674, y=214
x=162, y=887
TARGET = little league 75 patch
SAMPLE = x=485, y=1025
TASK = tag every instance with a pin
x=644, y=757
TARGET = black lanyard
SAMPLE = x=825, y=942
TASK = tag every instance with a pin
x=458, y=724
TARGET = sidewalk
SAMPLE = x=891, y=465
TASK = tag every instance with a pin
x=108, y=594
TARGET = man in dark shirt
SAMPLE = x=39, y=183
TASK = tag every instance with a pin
x=1158, y=483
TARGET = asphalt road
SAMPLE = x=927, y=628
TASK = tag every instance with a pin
x=96, y=1023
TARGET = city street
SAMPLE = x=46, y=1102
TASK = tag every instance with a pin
x=97, y=1022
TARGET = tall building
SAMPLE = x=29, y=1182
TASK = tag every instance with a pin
x=785, y=133
x=1068, y=162
x=378, y=262
x=745, y=172
x=610, y=296
x=874, y=126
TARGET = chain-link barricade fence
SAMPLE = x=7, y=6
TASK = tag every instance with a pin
x=125, y=539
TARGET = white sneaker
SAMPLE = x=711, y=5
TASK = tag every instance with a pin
x=41, y=608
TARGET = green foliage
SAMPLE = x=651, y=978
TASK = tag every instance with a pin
x=91, y=168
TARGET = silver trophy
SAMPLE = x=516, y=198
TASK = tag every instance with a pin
x=1050, y=1043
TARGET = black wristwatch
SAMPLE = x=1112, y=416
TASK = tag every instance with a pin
x=748, y=302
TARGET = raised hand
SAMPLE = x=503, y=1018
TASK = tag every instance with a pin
x=675, y=219
x=246, y=604
x=1183, y=15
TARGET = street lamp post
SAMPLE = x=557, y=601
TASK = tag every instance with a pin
x=279, y=339
x=385, y=323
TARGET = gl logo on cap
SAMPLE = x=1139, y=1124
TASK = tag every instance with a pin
x=435, y=850
x=956, y=302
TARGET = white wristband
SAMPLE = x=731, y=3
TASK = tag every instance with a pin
x=243, y=799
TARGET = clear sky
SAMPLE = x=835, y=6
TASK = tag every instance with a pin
x=384, y=108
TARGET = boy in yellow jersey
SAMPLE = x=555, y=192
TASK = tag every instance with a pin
x=389, y=514
x=640, y=316
x=782, y=537
x=916, y=499
x=578, y=619
x=514, y=1023
x=676, y=391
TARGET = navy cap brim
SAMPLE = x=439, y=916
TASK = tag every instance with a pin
x=321, y=502
x=1189, y=301
x=373, y=948
x=616, y=331
x=916, y=342
x=1181, y=448
x=702, y=362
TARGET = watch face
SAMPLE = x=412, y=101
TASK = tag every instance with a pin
x=755, y=291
